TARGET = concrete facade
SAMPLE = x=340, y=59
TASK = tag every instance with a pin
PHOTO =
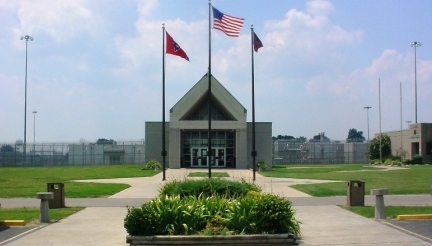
x=417, y=140
x=186, y=132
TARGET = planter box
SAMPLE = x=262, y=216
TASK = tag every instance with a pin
x=199, y=240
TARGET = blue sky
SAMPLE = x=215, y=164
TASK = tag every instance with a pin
x=95, y=66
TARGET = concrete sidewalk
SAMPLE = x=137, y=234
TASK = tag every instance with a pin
x=323, y=223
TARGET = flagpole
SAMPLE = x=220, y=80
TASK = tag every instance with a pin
x=253, y=107
x=163, y=104
x=209, y=153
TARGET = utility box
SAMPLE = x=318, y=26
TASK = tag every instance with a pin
x=59, y=195
x=355, y=193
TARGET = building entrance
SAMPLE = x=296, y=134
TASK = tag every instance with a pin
x=195, y=149
x=200, y=157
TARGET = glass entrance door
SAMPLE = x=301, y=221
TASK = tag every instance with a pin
x=218, y=157
x=200, y=157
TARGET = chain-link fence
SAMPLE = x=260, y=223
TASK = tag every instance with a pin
x=133, y=152
x=60, y=154
x=330, y=152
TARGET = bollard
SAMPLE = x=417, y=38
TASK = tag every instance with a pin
x=379, y=202
x=44, y=205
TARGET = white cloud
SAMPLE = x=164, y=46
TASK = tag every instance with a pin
x=319, y=7
x=387, y=61
x=61, y=20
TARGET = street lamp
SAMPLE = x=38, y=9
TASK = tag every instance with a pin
x=415, y=44
x=367, y=112
x=34, y=132
x=27, y=38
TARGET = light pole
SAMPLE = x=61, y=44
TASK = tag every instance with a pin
x=34, y=132
x=27, y=38
x=367, y=112
x=408, y=122
x=415, y=44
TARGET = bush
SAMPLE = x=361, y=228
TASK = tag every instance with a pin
x=251, y=213
x=272, y=215
x=166, y=216
x=264, y=214
x=142, y=221
x=152, y=165
x=208, y=187
x=262, y=165
x=417, y=159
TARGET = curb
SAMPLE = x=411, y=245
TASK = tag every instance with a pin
x=414, y=217
x=12, y=223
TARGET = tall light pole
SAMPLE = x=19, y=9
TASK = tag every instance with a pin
x=401, y=146
x=379, y=103
x=367, y=112
x=27, y=38
x=408, y=122
x=415, y=44
x=34, y=132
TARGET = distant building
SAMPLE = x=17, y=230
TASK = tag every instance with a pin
x=187, y=131
x=417, y=140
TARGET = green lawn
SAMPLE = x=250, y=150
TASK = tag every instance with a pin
x=31, y=215
x=27, y=181
x=391, y=211
x=413, y=180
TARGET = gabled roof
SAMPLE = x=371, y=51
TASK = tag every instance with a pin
x=196, y=98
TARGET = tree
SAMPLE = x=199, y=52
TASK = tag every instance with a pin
x=355, y=136
x=102, y=141
x=320, y=138
x=6, y=148
x=374, y=147
x=289, y=137
x=301, y=139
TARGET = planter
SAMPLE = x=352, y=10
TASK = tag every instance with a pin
x=200, y=240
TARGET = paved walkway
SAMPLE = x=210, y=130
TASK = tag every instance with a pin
x=323, y=223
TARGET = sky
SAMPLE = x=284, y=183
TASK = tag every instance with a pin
x=95, y=66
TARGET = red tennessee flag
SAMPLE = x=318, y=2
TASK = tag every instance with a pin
x=173, y=48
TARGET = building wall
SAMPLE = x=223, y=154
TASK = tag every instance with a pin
x=421, y=134
x=417, y=135
x=396, y=139
x=153, y=138
x=263, y=143
x=153, y=144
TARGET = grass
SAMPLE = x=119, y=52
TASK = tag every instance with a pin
x=213, y=174
x=31, y=215
x=27, y=181
x=391, y=211
x=413, y=180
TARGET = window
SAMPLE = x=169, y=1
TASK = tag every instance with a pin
x=202, y=113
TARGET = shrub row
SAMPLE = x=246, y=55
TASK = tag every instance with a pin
x=208, y=187
x=395, y=161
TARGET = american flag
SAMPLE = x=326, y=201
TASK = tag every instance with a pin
x=228, y=24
